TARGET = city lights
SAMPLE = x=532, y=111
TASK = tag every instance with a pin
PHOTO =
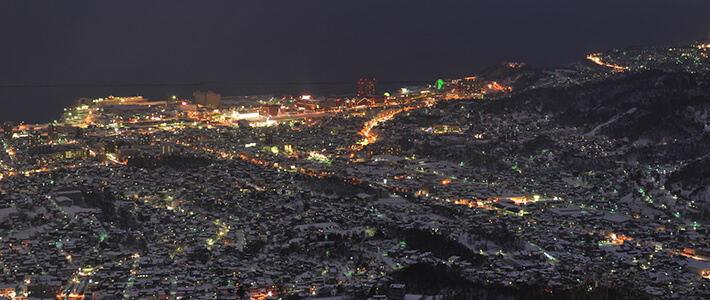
x=267, y=196
x=597, y=60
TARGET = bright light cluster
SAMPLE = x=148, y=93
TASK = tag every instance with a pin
x=597, y=60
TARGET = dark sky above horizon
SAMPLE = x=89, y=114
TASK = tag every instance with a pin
x=129, y=42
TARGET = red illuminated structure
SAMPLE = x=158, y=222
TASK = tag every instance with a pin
x=367, y=87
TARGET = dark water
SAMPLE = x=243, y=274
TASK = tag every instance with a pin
x=41, y=104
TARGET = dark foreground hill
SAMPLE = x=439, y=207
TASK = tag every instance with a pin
x=654, y=105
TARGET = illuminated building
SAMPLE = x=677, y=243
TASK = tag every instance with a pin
x=145, y=139
x=110, y=147
x=208, y=98
x=447, y=129
x=125, y=152
x=337, y=101
x=699, y=267
x=84, y=101
x=367, y=87
x=7, y=128
x=111, y=100
x=318, y=103
x=270, y=110
x=184, y=106
x=44, y=290
x=52, y=132
x=358, y=101
x=426, y=189
x=68, y=153
x=267, y=138
x=167, y=148
x=470, y=85
x=7, y=290
x=34, y=138
x=389, y=149
x=516, y=65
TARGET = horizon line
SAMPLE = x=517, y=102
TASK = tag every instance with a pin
x=201, y=84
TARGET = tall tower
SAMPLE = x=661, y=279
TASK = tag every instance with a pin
x=367, y=87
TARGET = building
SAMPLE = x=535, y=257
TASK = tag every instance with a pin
x=386, y=148
x=167, y=148
x=7, y=290
x=78, y=133
x=145, y=139
x=70, y=153
x=34, y=138
x=270, y=110
x=447, y=129
x=396, y=291
x=84, y=101
x=44, y=289
x=208, y=99
x=367, y=87
x=698, y=267
x=125, y=152
x=7, y=128
x=64, y=201
x=112, y=100
x=52, y=132
x=470, y=85
x=41, y=149
x=110, y=147
x=318, y=103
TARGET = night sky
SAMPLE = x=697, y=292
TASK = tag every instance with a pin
x=72, y=45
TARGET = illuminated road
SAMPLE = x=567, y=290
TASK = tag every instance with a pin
x=370, y=137
x=130, y=282
x=597, y=60
x=366, y=131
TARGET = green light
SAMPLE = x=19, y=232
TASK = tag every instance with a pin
x=439, y=84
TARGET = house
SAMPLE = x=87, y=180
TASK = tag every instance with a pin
x=699, y=267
